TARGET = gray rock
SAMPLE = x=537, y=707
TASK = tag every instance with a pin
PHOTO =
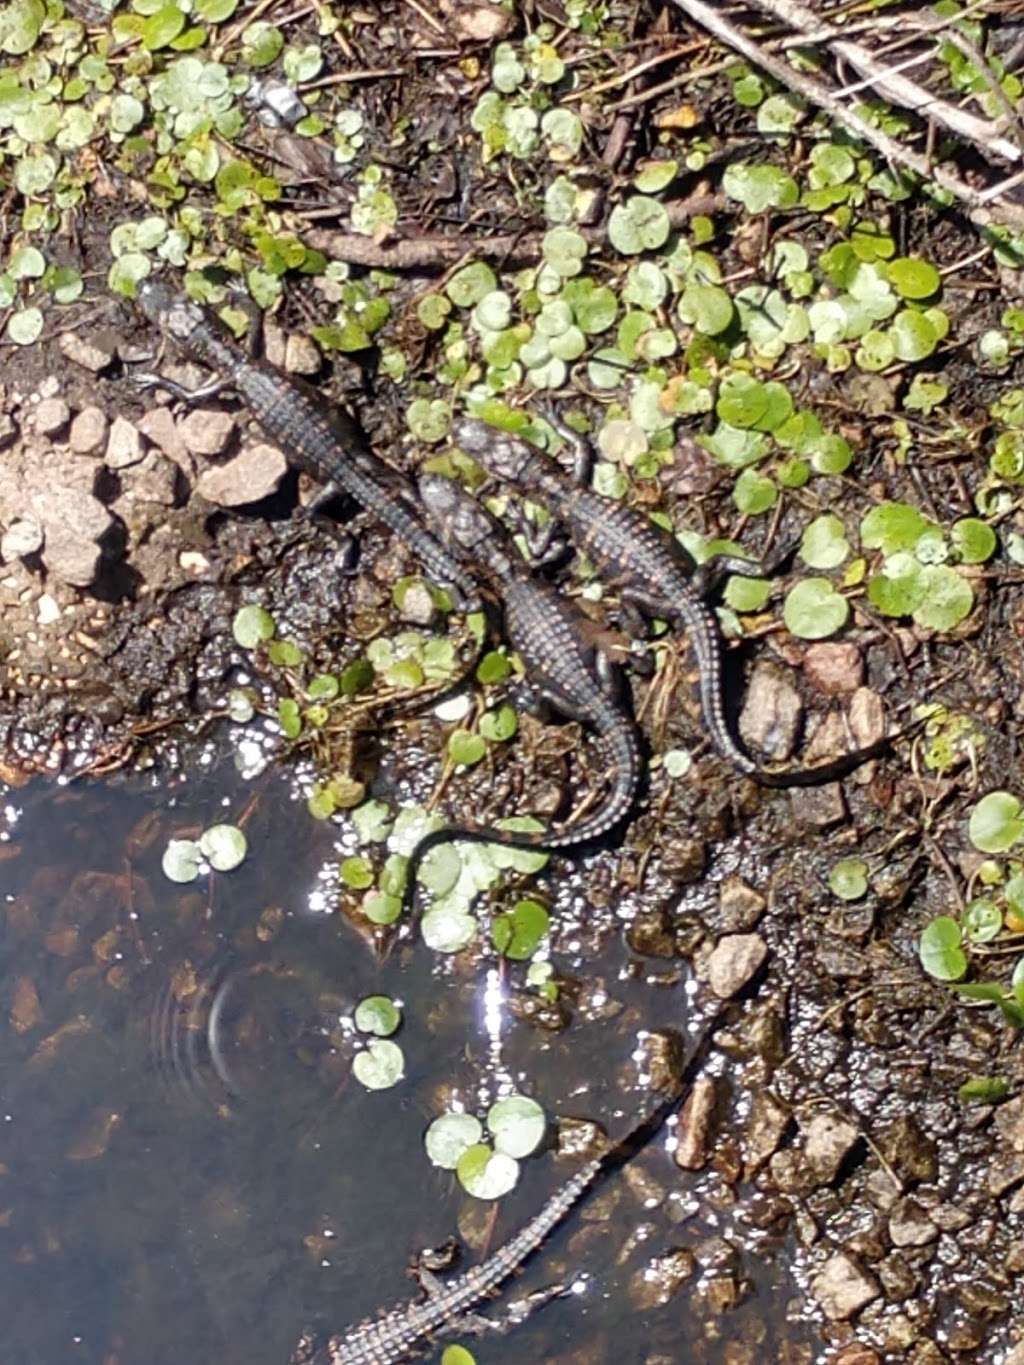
x=765, y=1128
x=207, y=431
x=827, y=1140
x=909, y=1224
x=739, y=905
x=91, y=355
x=89, y=430
x=301, y=355
x=51, y=416
x=253, y=474
x=21, y=538
x=158, y=425
x=842, y=1288
x=73, y=522
x=1009, y=1122
x=771, y=713
x=734, y=960
x=418, y=608
x=694, y=1131
x=153, y=479
x=124, y=445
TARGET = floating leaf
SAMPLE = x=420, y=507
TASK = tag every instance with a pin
x=974, y=540
x=449, y=1137
x=518, y=934
x=517, y=1124
x=224, y=847
x=356, y=872
x=162, y=27
x=377, y=1014
x=448, y=929
x=20, y=25
x=181, y=860
x=485, y=1174
x=380, y=1065
x=940, y=951
x=823, y=544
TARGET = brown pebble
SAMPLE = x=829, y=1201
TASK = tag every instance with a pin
x=694, y=1130
x=834, y=667
x=89, y=431
x=26, y=1011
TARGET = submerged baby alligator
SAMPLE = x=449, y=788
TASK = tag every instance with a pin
x=395, y=1335
x=312, y=435
x=563, y=654
x=653, y=573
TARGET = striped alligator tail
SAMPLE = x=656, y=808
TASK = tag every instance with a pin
x=619, y=739
x=697, y=617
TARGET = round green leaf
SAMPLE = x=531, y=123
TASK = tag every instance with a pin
x=814, y=610
x=162, y=27
x=914, y=336
x=914, y=278
x=996, y=824
x=640, y=224
x=469, y=285
x=823, y=544
x=500, y=724
x=708, y=307
x=465, y=747
x=449, y=1137
x=754, y=493
x=848, y=879
x=485, y=1174
x=982, y=920
x=252, y=626
x=517, y=1124
x=20, y=25
x=380, y=1065
x=947, y=599
x=356, y=872
x=518, y=934
x=224, y=847
x=940, y=951
x=973, y=540
x=25, y=326
x=448, y=929
x=377, y=1014
x=181, y=860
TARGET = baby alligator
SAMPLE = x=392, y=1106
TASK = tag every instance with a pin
x=653, y=573
x=395, y=1335
x=313, y=436
x=563, y=655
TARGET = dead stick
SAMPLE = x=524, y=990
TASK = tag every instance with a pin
x=816, y=93
x=435, y=253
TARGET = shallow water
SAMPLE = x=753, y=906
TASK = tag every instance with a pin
x=189, y=1172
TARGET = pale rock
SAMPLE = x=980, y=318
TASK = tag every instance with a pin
x=158, y=425
x=89, y=430
x=21, y=538
x=252, y=475
x=124, y=445
x=735, y=960
x=73, y=522
x=834, y=667
x=51, y=416
x=826, y=1142
x=909, y=1224
x=771, y=712
x=301, y=355
x=47, y=610
x=207, y=431
x=91, y=355
x=842, y=1288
